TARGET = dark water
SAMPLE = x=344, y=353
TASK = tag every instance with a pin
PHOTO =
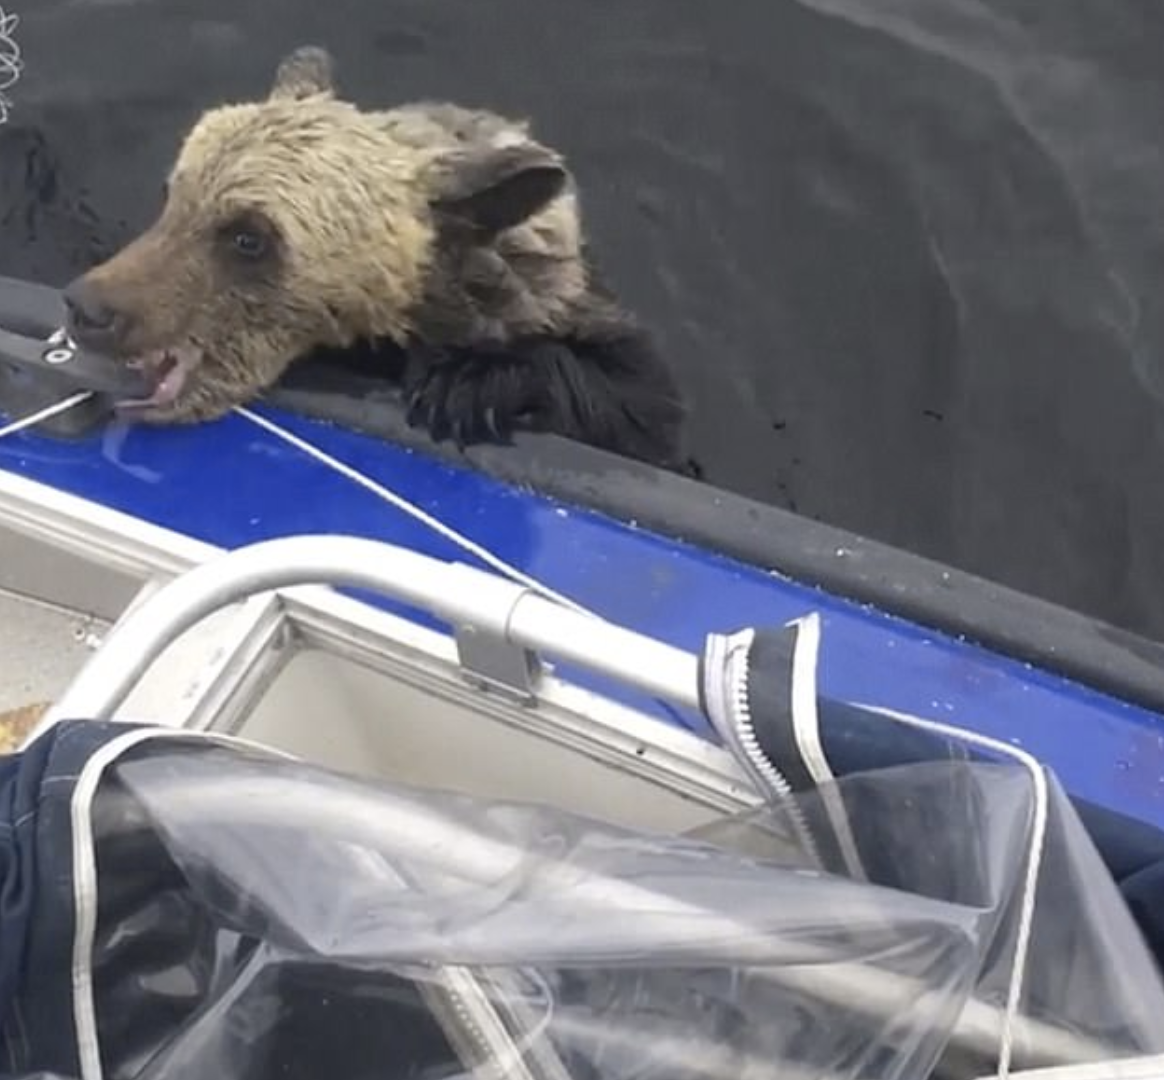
x=907, y=254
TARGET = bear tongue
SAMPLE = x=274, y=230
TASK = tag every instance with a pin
x=170, y=386
x=169, y=369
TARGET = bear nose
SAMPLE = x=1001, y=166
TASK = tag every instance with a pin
x=92, y=319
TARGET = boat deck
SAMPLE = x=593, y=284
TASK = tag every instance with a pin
x=43, y=646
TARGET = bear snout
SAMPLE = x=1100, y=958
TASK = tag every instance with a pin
x=95, y=320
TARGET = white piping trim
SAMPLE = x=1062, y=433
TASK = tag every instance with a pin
x=85, y=876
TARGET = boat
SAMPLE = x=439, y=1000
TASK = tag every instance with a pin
x=348, y=751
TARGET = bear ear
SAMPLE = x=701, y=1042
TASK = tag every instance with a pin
x=494, y=188
x=306, y=72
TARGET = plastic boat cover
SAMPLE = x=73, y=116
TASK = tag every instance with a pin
x=182, y=905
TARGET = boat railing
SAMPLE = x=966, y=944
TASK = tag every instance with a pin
x=501, y=627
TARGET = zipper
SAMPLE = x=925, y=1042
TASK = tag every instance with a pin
x=726, y=695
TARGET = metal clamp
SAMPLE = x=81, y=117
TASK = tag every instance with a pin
x=41, y=364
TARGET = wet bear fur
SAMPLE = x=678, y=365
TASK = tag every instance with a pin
x=448, y=236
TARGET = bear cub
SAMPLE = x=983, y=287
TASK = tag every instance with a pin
x=448, y=235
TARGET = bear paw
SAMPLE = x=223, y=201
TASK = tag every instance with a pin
x=471, y=401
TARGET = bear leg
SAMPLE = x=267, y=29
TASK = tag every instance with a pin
x=597, y=390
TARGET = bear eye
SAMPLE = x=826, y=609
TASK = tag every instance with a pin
x=248, y=237
x=249, y=243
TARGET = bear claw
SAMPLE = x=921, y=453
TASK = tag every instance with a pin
x=449, y=404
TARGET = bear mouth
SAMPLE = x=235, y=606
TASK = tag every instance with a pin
x=166, y=372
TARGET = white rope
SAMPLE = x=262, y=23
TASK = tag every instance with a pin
x=11, y=63
x=1026, y=923
x=401, y=503
x=45, y=413
x=357, y=477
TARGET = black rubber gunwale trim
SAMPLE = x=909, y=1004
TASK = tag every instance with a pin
x=1088, y=651
x=1102, y=657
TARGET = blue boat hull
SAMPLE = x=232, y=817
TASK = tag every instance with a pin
x=231, y=483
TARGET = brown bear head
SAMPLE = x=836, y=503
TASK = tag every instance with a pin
x=295, y=222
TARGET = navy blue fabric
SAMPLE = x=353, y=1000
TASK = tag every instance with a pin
x=856, y=741
x=21, y=776
x=1134, y=853
x=37, y=908
x=37, y=915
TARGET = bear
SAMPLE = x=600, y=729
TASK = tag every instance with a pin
x=448, y=236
